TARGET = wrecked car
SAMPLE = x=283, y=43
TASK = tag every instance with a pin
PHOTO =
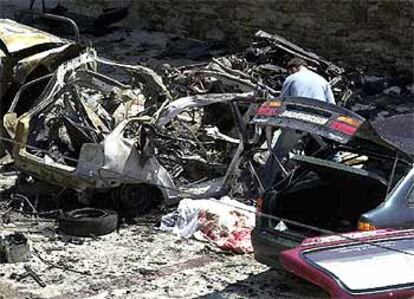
x=122, y=134
x=376, y=264
x=260, y=68
x=349, y=170
x=27, y=53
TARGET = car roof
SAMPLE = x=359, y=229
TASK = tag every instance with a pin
x=16, y=37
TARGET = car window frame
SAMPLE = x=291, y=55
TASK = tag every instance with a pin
x=410, y=194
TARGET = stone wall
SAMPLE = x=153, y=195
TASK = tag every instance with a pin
x=377, y=33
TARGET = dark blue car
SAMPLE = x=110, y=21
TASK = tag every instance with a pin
x=350, y=174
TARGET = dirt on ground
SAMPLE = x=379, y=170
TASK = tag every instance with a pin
x=140, y=261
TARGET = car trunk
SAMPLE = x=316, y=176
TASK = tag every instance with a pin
x=376, y=264
x=330, y=195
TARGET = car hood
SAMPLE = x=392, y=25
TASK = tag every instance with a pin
x=391, y=135
x=16, y=37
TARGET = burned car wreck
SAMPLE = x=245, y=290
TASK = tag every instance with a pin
x=95, y=134
x=260, y=68
x=96, y=143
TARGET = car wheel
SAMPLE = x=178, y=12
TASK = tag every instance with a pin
x=88, y=222
x=136, y=199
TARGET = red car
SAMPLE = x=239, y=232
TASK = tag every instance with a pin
x=374, y=264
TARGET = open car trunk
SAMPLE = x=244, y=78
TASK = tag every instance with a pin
x=330, y=195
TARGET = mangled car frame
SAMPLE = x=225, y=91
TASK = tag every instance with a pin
x=261, y=68
x=27, y=53
x=90, y=133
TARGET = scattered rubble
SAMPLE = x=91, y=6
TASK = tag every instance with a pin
x=140, y=261
x=14, y=248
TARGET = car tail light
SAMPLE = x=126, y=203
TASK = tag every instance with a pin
x=267, y=111
x=345, y=124
x=365, y=226
x=274, y=104
x=343, y=127
x=269, y=108
x=349, y=120
x=259, y=204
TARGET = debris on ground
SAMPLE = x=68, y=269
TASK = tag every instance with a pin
x=14, y=248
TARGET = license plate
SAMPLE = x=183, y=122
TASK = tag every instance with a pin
x=306, y=117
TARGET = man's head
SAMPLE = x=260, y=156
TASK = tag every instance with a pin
x=295, y=64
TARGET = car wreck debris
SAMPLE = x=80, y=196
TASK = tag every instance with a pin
x=14, y=248
x=27, y=53
x=90, y=132
x=31, y=273
x=260, y=68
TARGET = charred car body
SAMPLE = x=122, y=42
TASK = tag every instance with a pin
x=260, y=68
x=90, y=132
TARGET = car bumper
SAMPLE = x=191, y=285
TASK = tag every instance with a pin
x=268, y=245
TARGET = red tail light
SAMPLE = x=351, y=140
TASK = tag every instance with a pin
x=342, y=127
x=267, y=111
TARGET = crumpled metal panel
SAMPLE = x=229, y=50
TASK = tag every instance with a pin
x=29, y=64
x=178, y=106
x=17, y=37
x=123, y=157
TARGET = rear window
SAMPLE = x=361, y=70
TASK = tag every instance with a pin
x=365, y=267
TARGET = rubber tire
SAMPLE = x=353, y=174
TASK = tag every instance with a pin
x=88, y=222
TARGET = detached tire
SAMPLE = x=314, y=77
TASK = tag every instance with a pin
x=88, y=222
